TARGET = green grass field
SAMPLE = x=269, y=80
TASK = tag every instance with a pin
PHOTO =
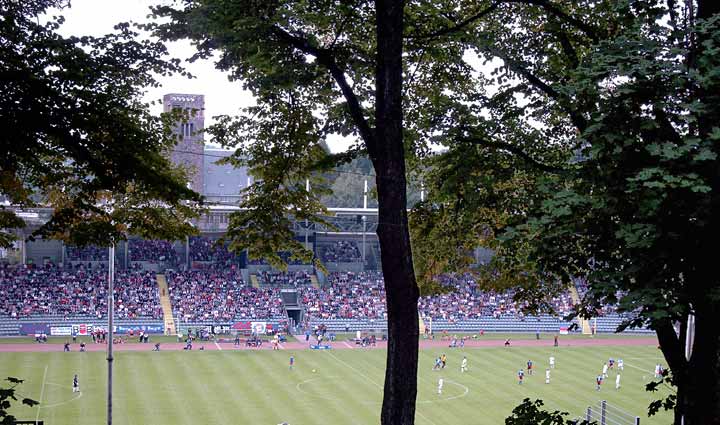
x=256, y=387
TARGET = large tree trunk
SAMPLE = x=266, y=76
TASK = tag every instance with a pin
x=388, y=156
x=697, y=380
x=699, y=386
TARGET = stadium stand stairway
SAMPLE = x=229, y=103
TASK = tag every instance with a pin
x=254, y=281
x=314, y=281
x=584, y=323
x=166, y=305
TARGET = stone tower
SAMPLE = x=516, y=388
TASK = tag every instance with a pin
x=189, y=150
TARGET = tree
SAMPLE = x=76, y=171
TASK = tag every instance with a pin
x=531, y=413
x=78, y=138
x=613, y=106
x=322, y=67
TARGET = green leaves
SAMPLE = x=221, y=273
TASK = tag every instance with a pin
x=280, y=143
x=668, y=403
x=531, y=413
x=9, y=395
x=76, y=127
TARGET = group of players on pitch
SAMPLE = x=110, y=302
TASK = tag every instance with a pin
x=441, y=362
x=607, y=367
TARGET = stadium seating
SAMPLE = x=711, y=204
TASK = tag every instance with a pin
x=284, y=279
x=207, y=250
x=53, y=291
x=339, y=252
x=219, y=295
x=87, y=253
x=152, y=251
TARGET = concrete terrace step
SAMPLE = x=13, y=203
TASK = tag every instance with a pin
x=254, y=281
x=166, y=305
x=584, y=323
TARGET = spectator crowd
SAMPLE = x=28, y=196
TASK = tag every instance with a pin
x=87, y=253
x=220, y=294
x=340, y=252
x=284, y=279
x=206, y=249
x=54, y=291
x=152, y=250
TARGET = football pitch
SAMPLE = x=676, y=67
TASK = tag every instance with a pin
x=325, y=387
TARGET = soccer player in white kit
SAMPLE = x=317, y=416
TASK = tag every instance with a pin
x=621, y=365
x=552, y=362
x=547, y=376
x=617, y=382
x=463, y=365
x=605, y=368
x=440, y=385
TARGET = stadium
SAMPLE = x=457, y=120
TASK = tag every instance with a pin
x=432, y=213
x=223, y=321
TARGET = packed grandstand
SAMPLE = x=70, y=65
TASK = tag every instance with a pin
x=221, y=291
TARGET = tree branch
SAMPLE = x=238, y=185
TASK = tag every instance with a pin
x=515, y=151
x=670, y=345
x=567, y=47
x=577, y=119
x=326, y=58
x=552, y=9
x=457, y=27
x=707, y=9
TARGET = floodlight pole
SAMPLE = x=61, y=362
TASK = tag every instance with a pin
x=111, y=304
x=307, y=189
x=364, y=220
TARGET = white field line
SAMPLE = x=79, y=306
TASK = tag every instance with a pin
x=417, y=412
x=639, y=368
x=348, y=345
x=42, y=392
x=61, y=403
x=655, y=358
x=218, y=346
x=355, y=370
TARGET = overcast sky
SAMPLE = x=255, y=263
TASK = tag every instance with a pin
x=97, y=17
